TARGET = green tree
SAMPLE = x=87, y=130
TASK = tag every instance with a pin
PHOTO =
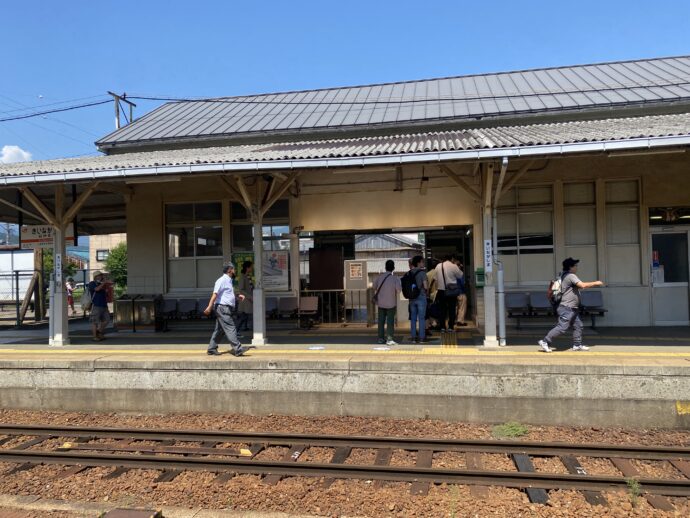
x=116, y=265
x=68, y=268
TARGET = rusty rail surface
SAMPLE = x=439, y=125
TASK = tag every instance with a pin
x=21, y=445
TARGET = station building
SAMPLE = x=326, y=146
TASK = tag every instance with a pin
x=520, y=168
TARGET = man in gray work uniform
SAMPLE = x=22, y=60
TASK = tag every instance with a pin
x=569, y=307
x=222, y=302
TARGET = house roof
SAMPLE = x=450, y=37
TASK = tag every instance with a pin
x=528, y=140
x=427, y=102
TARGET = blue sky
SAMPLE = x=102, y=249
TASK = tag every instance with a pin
x=59, y=51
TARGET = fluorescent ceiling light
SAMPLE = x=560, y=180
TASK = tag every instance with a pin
x=154, y=179
x=415, y=229
x=657, y=217
x=638, y=152
x=355, y=170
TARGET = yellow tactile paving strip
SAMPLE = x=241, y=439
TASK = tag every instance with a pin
x=265, y=351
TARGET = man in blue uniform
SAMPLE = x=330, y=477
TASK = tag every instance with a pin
x=223, y=303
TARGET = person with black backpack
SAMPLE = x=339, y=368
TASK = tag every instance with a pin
x=415, y=289
x=564, y=294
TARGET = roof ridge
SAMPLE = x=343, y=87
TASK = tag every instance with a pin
x=408, y=81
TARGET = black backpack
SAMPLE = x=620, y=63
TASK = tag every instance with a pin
x=409, y=287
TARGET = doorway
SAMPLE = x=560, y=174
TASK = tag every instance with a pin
x=670, y=278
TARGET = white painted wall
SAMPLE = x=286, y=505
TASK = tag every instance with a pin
x=368, y=200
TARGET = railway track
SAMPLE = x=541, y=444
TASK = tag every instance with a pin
x=173, y=451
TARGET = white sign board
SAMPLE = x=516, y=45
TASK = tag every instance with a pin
x=58, y=268
x=41, y=236
x=275, y=270
x=488, y=259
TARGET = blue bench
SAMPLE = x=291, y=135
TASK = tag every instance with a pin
x=530, y=305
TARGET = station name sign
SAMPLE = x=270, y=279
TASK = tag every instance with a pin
x=41, y=236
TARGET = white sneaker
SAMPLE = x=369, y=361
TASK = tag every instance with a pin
x=391, y=342
x=545, y=347
x=580, y=348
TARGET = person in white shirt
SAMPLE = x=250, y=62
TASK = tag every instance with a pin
x=223, y=302
x=447, y=274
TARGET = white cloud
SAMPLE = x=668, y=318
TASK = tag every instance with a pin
x=11, y=154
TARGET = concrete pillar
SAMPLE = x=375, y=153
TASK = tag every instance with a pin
x=58, y=306
x=294, y=264
x=490, y=339
x=259, y=304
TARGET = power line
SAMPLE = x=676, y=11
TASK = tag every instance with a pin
x=45, y=105
x=56, y=110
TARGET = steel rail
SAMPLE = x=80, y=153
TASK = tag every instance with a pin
x=392, y=473
x=403, y=443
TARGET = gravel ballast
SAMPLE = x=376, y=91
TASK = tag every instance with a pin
x=353, y=498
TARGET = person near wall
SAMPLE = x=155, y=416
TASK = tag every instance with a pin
x=222, y=303
x=387, y=288
x=100, y=315
x=246, y=287
x=419, y=303
x=432, y=311
x=462, y=298
x=569, y=307
x=448, y=276
x=69, y=287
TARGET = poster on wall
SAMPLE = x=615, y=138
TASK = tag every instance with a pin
x=238, y=258
x=275, y=270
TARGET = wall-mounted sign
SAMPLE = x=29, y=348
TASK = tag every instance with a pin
x=488, y=256
x=41, y=236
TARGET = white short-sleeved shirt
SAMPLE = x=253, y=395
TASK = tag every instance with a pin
x=225, y=294
x=453, y=274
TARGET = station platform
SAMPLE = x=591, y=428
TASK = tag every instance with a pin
x=631, y=377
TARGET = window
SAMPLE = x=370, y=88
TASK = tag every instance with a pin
x=102, y=255
x=194, y=234
x=581, y=226
x=623, y=232
x=525, y=234
x=194, y=230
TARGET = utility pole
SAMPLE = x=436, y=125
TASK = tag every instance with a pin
x=122, y=99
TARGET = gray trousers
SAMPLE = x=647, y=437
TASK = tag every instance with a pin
x=225, y=325
x=567, y=317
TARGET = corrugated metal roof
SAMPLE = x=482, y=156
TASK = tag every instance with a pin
x=508, y=138
x=429, y=101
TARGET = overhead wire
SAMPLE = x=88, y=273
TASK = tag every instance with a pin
x=56, y=110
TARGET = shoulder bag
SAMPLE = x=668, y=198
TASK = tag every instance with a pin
x=375, y=298
x=452, y=289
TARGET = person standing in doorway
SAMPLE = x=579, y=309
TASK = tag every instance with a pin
x=448, y=276
x=387, y=288
x=222, y=302
x=100, y=315
x=418, y=304
x=462, y=298
x=569, y=307
x=246, y=287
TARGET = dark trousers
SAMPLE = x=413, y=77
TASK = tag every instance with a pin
x=386, y=316
x=225, y=325
x=567, y=317
x=448, y=309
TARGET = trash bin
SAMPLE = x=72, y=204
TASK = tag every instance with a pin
x=124, y=313
x=145, y=313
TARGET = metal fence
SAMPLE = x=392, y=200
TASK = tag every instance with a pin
x=25, y=295
x=343, y=306
x=21, y=296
